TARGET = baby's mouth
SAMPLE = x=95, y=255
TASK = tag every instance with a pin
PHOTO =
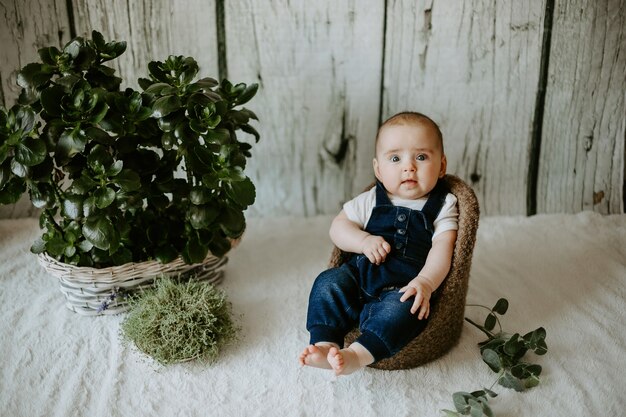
x=409, y=182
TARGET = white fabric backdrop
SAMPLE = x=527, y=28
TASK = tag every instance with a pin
x=566, y=273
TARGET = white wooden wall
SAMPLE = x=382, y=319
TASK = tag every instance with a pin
x=329, y=71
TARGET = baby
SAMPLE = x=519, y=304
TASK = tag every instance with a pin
x=401, y=234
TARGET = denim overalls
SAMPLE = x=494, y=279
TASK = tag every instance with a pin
x=361, y=292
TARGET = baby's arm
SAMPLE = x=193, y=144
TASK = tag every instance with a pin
x=349, y=237
x=432, y=274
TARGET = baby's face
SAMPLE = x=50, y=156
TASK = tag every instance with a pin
x=409, y=160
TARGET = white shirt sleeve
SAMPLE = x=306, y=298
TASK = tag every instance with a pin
x=448, y=218
x=359, y=209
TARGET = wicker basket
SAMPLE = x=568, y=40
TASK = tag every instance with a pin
x=98, y=291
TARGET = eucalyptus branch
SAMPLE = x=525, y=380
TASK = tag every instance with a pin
x=503, y=353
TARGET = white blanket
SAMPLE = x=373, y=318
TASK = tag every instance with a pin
x=566, y=273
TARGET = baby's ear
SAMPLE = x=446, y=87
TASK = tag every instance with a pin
x=444, y=164
x=376, y=169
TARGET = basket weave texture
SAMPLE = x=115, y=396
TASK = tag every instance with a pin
x=445, y=321
x=98, y=291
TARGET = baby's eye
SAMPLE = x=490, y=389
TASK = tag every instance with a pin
x=395, y=158
x=421, y=157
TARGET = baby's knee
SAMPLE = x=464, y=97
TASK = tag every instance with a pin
x=334, y=280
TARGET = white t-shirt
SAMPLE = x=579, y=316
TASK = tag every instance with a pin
x=359, y=210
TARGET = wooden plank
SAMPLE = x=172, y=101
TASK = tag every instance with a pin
x=26, y=26
x=582, y=157
x=474, y=69
x=153, y=30
x=319, y=69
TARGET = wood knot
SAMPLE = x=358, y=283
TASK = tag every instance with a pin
x=597, y=197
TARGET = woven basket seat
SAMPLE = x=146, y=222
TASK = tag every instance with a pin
x=447, y=312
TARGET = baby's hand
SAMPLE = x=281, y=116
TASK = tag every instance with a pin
x=422, y=293
x=375, y=248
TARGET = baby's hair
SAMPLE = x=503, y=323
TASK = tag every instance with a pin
x=411, y=118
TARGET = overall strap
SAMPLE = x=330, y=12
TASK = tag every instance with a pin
x=382, y=199
x=435, y=202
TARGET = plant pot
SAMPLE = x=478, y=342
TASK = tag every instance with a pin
x=98, y=291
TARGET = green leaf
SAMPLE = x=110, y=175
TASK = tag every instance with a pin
x=242, y=192
x=490, y=322
x=502, y=305
x=512, y=346
x=165, y=254
x=5, y=174
x=219, y=246
x=531, y=381
x=31, y=151
x=541, y=348
x=165, y=105
x=202, y=216
x=20, y=170
x=41, y=195
x=448, y=413
x=99, y=159
x=56, y=246
x=33, y=76
x=104, y=197
x=247, y=94
x=460, y=401
x=128, y=180
x=115, y=168
x=199, y=196
x=39, y=246
x=71, y=142
x=492, y=359
x=207, y=83
x=251, y=130
x=509, y=381
x=72, y=206
x=194, y=252
x=84, y=245
x=100, y=232
x=83, y=184
x=51, y=98
x=12, y=191
x=160, y=89
x=122, y=256
x=99, y=135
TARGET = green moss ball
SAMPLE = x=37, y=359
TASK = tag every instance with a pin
x=177, y=322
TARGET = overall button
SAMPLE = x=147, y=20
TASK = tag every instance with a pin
x=402, y=217
x=401, y=231
x=399, y=245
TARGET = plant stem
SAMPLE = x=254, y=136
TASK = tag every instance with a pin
x=490, y=310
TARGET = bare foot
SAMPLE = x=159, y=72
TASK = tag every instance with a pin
x=315, y=356
x=344, y=361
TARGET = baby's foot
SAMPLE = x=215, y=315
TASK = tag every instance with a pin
x=344, y=361
x=315, y=356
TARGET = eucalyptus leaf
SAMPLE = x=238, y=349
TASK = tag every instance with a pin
x=502, y=305
x=492, y=359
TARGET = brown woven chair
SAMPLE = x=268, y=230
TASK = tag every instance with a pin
x=446, y=313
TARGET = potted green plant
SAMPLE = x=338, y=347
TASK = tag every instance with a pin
x=125, y=176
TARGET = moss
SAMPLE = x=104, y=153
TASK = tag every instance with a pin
x=176, y=322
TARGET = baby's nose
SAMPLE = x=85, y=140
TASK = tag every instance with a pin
x=409, y=167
